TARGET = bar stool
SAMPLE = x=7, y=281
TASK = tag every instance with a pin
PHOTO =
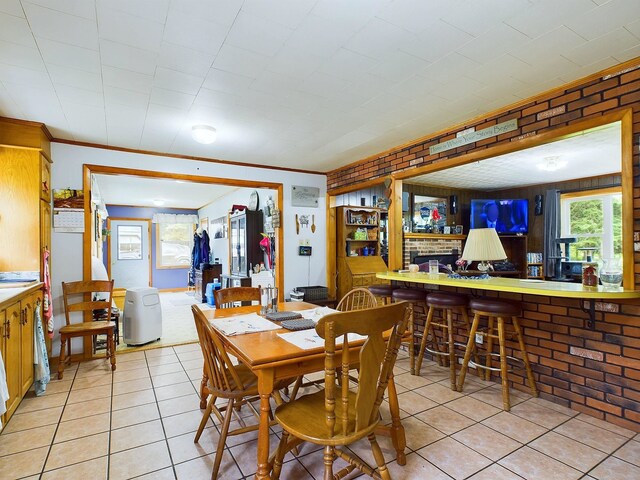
x=502, y=310
x=449, y=303
x=414, y=296
x=382, y=291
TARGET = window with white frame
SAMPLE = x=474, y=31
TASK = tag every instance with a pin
x=595, y=219
x=174, y=243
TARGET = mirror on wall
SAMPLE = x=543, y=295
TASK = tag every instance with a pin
x=429, y=214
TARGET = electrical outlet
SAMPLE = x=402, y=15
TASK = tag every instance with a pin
x=479, y=338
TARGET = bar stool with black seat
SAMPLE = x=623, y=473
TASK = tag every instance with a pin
x=382, y=291
x=449, y=303
x=502, y=310
x=416, y=296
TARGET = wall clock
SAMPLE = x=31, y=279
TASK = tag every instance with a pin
x=254, y=201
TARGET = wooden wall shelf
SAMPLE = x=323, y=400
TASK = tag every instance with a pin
x=439, y=236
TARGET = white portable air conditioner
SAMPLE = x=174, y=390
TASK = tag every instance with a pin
x=142, y=318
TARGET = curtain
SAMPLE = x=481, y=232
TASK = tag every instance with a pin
x=174, y=218
x=551, y=230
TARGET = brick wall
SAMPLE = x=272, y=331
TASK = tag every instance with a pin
x=609, y=388
x=427, y=246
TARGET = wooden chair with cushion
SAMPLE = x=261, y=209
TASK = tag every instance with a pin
x=226, y=297
x=90, y=328
x=234, y=383
x=338, y=416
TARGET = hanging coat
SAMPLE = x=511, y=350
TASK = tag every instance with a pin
x=195, y=259
x=205, y=249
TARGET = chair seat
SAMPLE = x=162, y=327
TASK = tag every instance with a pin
x=511, y=308
x=249, y=382
x=79, y=328
x=382, y=290
x=447, y=300
x=410, y=294
x=305, y=418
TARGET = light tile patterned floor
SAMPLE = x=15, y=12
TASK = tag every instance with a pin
x=139, y=422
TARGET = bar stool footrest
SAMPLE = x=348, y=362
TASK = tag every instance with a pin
x=519, y=363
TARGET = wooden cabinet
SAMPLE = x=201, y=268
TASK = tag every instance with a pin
x=205, y=277
x=515, y=246
x=358, y=232
x=17, y=322
x=244, y=241
x=354, y=272
x=45, y=179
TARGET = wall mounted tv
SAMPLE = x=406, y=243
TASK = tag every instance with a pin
x=506, y=216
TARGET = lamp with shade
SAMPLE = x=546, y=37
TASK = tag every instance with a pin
x=483, y=245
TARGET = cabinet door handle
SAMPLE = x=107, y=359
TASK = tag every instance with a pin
x=25, y=319
x=8, y=328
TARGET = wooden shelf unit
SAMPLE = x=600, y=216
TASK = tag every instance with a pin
x=515, y=246
x=535, y=265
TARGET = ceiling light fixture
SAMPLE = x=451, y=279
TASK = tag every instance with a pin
x=204, y=134
x=158, y=203
x=551, y=164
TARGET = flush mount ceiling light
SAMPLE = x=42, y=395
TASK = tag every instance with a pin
x=551, y=164
x=158, y=203
x=204, y=134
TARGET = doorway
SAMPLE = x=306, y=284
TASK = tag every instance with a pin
x=129, y=252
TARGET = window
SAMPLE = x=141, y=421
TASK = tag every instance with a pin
x=129, y=242
x=174, y=243
x=595, y=219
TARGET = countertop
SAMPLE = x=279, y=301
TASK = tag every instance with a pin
x=501, y=284
x=9, y=295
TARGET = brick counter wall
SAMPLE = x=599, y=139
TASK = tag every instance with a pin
x=608, y=384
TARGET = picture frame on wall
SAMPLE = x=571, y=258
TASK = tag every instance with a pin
x=459, y=230
x=447, y=230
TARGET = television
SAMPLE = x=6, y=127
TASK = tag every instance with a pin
x=506, y=216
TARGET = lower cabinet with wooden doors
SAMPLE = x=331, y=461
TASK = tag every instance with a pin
x=17, y=330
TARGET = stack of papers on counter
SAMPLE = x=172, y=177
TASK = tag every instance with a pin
x=250, y=323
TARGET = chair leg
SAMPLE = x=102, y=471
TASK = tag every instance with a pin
x=423, y=343
x=465, y=317
x=279, y=456
x=112, y=349
x=490, y=331
x=525, y=357
x=222, y=440
x=328, y=462
x=379, y=457
x=61, y=360
x=412, y=358
x=203, y=388
x=506, y=403
x=467, y=353
x=205, y=417
x=452, y=350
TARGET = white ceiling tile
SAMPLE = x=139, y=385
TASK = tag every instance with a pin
x=634, y=27
x=352, y=15
x=8, y=107
x=155, y=10
x=436, y=41
x=601, y=46
x=449, y=67
x=79, y=95
x=257, y=34
x=493, y=43
x=399, y=66
x=124, y=28
x=415, y=15
x=62, y=27
x=194, y=32
x=126, y=79
x=124, y=124
x=177, y=81
x=285, y=12
x=12, y=7
x=293, y=62
x=24, y=76
x=121, y=96
x=68, y=55
x=171, y=98
x=75, y=78
x=222, y=81
x=347, y=65
x=40, y=105
x=322, y=85
x=214, y=98
x=126, y=57
x=628, y=54
x=19, y=55
x=183, y=59
x=546, y=15
x=239, y=61
x=223, y=12
x=15, y=30
x=88, y=122
x=274, y=84
x=599, y=21
x=559, y=40
x=378, y=39
x=416, y=86
x=78, y=8
x=477, y=17
x=319, y=36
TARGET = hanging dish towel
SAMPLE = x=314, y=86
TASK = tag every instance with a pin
x=40, y=357
x=48, y=299
x=4, y=390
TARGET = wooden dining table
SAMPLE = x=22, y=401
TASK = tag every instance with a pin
x=272, y=358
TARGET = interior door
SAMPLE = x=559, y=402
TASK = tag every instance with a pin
x=130, y=255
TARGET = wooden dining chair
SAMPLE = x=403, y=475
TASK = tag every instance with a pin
x=357, y=299
x=338, y=416
x=226, y=297
x=90, y=328
x=235, y=383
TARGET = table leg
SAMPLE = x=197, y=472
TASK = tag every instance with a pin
x=265, y=388
x=397, y=430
